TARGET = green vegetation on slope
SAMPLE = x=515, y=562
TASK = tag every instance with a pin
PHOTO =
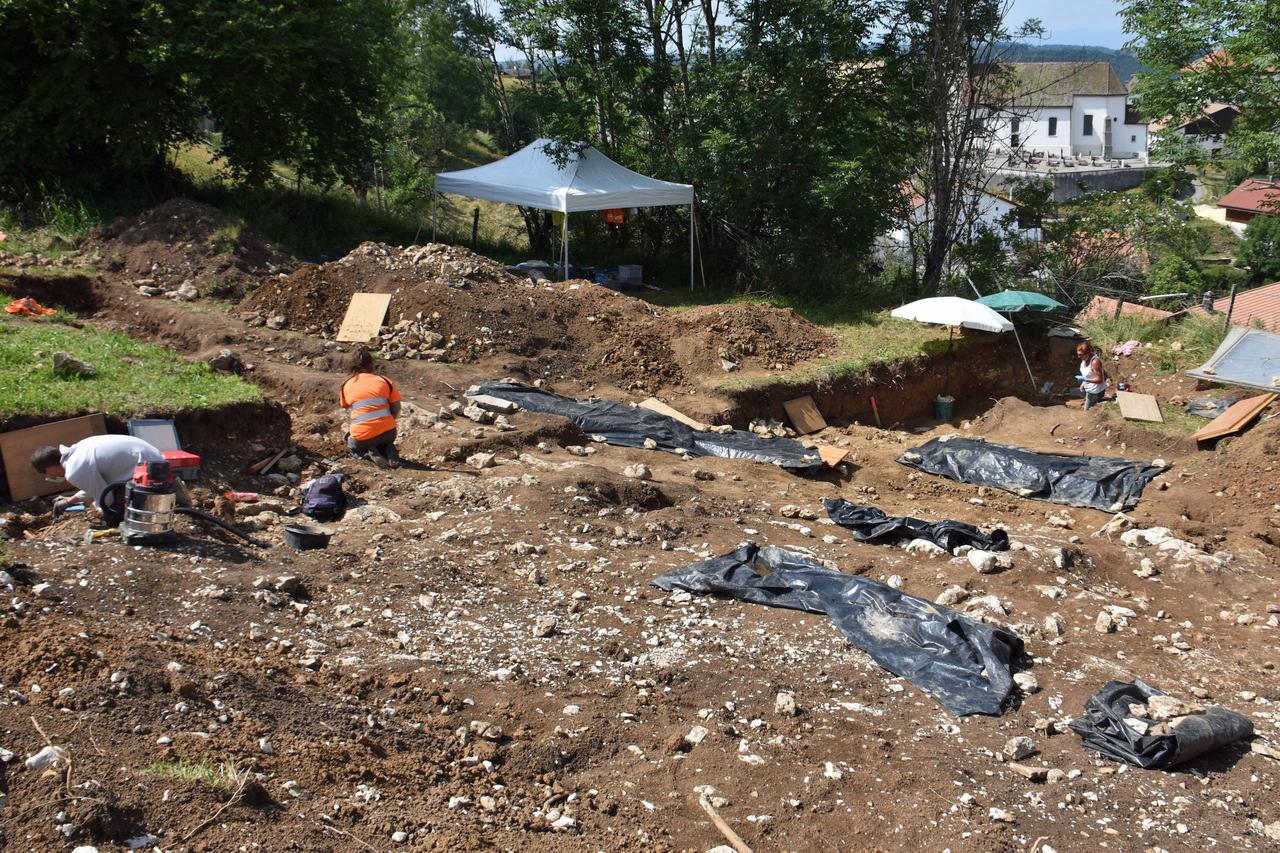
x=132, y=377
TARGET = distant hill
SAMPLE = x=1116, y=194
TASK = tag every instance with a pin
x=1126, y=64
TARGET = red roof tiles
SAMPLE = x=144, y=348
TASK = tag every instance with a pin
x=1254, y=197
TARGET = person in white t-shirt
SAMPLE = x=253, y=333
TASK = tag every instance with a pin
x=92, y=464
x=1093, y=378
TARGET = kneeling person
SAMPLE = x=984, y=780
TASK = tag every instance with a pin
x=372, y=402
x=93, y=465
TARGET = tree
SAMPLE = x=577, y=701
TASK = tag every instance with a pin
x=958, y=48
x=1260, y=251
x=106, y=87
x=1203, y=51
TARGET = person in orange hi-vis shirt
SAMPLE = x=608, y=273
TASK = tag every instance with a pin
x=372, y=403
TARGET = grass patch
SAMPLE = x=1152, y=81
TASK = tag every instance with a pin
x=865, y=336
x=218, y=778
x=132, y=377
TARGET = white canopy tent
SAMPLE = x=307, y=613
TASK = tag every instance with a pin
x=586, y=180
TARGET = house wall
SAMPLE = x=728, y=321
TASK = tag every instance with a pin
x=1239, y=215
x=1099, y=107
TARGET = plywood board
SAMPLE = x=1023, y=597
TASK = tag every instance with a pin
x=16, y=448
x=653, y=404
x=1139, y=407
x=1235, y=418
x=832, y=456
x=364, y=317
x=804, y=415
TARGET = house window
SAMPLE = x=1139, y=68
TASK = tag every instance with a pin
x=1053, y=125
x=1133, y=138
x=1014, y=126
x=1088, y=125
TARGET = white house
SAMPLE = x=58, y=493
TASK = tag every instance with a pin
x=1069, y=109
x=981, y=209
x=1207, y=130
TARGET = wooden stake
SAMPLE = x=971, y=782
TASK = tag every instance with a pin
x=730, y=836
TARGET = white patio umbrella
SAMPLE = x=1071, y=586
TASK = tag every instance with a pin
x=952, y=312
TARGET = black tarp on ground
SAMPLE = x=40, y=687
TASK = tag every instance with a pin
x=1101, y=482
x=626, y=426
x=962, y=663
x=1103, y=728
x=870, y=524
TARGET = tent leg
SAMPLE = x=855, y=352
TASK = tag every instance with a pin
x=691, y=245
x=564, y=243
x=1035, y=389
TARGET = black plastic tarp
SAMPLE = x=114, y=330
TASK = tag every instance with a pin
x=626, y=426
x=962, y=663
x=1101, y=482
x=1103, y=728
x=870, y=524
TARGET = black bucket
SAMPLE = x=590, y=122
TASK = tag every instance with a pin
x=306, y=537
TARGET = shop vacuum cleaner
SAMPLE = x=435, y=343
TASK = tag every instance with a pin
x=150, y=504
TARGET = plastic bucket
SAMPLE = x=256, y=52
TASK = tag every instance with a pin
x=306, y=537
x=943, y=407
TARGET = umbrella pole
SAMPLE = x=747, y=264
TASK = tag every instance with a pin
x=564, y=243
x=691, y=244
x=1034, y=388
x=946, y=381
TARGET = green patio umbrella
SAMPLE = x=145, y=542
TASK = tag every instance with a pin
x=1017, y=301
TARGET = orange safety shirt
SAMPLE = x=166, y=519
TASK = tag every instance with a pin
x=368, y=398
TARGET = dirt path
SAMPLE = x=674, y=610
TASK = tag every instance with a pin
x=478, y=660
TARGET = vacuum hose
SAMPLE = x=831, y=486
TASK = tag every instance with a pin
x=186, y=510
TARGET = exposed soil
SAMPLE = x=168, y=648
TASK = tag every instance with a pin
x=409, y=681
x=181, y=242
x=575, y=330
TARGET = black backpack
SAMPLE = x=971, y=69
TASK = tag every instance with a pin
x=324, y=499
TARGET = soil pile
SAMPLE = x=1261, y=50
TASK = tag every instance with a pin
x=185, y=249
x=453, y=305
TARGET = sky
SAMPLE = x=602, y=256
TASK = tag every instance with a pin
x=1093, y=22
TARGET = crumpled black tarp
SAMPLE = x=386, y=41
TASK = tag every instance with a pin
x=1101, y=482
x=625, y=426
x=1211, y=407
x=962, y=663
x=1103, y=728
x=870, y=524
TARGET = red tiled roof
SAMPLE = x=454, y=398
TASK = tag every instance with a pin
x=1254, y=197
x=1105, y=306
x=1261, y=305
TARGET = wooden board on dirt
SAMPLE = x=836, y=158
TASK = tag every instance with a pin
x=1237, y=416
x=804, y=415
x=364, y=317
x=653, y=404
x=832, y=456
x=1139, y=407
x=16, y=448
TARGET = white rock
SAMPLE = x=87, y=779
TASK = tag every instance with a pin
x=1020, y=747
x=1105, y=623
x=1027, y=682
x=50, y=756
x=638, y=471
x=895, y=581
x=785, y=704
x=1000, y=815
x=399, y=836
x=952, y=595
x=696, y=735
x=924, y=546
x=265, y=746
x=985, y=562
x=480, y=461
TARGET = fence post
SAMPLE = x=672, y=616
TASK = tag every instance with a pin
x=475, y=228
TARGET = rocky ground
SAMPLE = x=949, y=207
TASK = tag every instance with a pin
x=478, y=659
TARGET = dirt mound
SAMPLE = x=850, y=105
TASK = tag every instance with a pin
x=453, y=305
x=184, y=242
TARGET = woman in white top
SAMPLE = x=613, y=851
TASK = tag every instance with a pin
x=1093, y=379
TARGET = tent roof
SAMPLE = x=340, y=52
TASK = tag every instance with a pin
x=588, y=180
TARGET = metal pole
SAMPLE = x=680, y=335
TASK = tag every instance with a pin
x=435, y=213
x=690, y=243
x=564, y=243
x=1231, y=306
x=1035, y=389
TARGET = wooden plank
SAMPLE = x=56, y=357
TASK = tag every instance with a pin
x=1139, y=407
x=832, y=456
x=364, y=317
x=653, y=404
x=804, y=415
x=16, y=448
x=1235, y=418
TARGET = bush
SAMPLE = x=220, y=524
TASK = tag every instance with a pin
x=1172, y=274
x=1260, y=251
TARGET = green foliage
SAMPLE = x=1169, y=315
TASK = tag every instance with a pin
x=1260, y=251
x=92, y=89
x=1237, y=173
x=220, y=778
x=1174, y=274
x=1166, y=183
x=1174, y=37
x=132, y=378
